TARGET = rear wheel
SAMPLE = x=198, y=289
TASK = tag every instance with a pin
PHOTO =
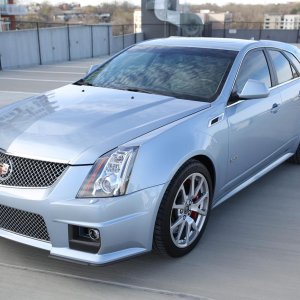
x=296, y=157
x=184, y=211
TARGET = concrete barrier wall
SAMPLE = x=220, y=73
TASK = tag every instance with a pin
x=101, y=39
x=287, y=36
x=130, y=39
x=117, y=44
x=80, y=42
x=243, y=34
x=19, y=48
x=139, y=37
x=54, y=45
x=50, y=45
x=121, y=42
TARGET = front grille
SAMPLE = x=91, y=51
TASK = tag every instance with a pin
x=25, y=172
x=24, y=223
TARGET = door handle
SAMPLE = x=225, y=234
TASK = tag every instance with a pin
x=275, y=108
x=216, y=120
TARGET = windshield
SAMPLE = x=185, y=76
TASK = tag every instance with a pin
x=181, y=72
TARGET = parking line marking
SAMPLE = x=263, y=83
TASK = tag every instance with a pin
x=34, y=79
x=47, y=72
x=12, y=92
x=74, y=67
x=108, y=282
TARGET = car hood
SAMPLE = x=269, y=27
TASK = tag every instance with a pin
x=77, y=124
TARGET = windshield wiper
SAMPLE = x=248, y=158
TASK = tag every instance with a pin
x=137, y=90
x=129, y=89
x=83, y=82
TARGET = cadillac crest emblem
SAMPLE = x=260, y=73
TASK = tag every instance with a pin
x=5, y=169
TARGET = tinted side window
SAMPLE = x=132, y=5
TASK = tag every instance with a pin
x=282, y=66
x=293, y=59
x=254, y=67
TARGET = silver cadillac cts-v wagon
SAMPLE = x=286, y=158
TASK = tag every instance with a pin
x=134, y=155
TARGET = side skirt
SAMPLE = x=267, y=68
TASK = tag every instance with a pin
x=254, y=178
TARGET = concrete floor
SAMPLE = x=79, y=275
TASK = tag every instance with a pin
x=251, y=249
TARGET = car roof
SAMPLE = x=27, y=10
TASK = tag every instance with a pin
x=217, y=43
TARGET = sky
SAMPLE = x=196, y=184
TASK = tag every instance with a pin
x=137, y=2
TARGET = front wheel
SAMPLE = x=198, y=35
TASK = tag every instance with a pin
x=184, y=211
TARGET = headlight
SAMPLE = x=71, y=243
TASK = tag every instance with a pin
x=110, y=174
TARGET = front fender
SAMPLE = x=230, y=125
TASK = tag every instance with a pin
x=165, y=150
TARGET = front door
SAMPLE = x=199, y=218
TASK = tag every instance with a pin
x=255, y=137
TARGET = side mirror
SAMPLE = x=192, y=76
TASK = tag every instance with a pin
x=254, y=89
x=92, y=69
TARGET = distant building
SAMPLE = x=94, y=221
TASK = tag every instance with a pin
x=67, y=15
x=8, y=13
x=272, y=21
x=77, y=15
x=137, y=21
x=216, y=19
x=291, y=21
x=68, y=6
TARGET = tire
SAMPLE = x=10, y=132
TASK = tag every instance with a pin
x=296, y=157
x=184, y=211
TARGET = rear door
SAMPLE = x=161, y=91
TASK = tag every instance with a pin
x=286, y=69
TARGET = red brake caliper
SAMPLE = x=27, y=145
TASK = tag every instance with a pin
x=194, y=214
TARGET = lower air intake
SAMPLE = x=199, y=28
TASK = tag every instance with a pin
x=24, y=223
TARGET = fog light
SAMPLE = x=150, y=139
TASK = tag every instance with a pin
x=94, y=234
x=84, y=239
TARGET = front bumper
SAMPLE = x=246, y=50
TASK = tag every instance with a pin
x=125, y=223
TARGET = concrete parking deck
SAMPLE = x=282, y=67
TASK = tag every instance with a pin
x=22, y=83
x=251, y=249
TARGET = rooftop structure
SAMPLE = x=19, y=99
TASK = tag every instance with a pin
x=216, y=19
x=8, y=13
